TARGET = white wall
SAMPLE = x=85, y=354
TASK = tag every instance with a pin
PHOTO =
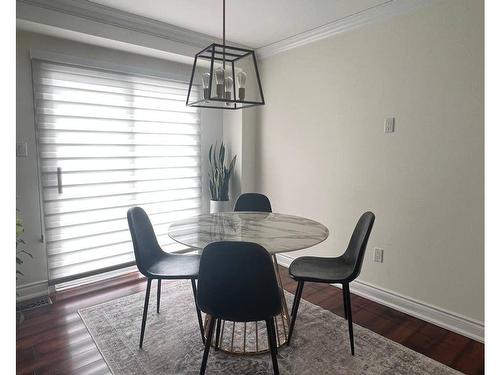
x=233, y=139
x=249, y=124
x=239, y=131
x=321, y=151
x=34, y=281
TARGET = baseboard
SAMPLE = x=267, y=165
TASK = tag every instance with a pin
x=432, y=314
x=32, y=290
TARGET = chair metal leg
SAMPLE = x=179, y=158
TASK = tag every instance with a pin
x=344, y=295
x=217, y=335
x=349, y=315
x=295, y=309
x=158, y=295
x=273, y=349
x=294, y=300
x=211, y=325
x=145, y=312
x=198, y=312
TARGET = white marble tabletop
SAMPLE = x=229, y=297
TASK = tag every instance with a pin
x=276, y=232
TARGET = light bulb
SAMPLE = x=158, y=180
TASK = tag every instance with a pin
x=219, y=75
x=205, y=81
x=228, y=87
x=219, y=80
x=241, y=77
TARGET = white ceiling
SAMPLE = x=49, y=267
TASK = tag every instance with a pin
x=254, y=23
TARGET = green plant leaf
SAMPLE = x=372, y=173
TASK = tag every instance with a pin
x=222, y=154
x=25, y=252
x=231, y=166
x=214, y=157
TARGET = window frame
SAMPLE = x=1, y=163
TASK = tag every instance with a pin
x=210, y=130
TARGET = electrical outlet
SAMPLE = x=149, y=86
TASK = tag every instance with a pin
x=389, y=125
x=378, y=255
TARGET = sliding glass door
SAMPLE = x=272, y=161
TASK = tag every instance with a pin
x=108, y=141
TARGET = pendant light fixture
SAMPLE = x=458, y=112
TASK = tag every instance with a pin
x=225, y=77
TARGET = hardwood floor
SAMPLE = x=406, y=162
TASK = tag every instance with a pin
x=54, y=340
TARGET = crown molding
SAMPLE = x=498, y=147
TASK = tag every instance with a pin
x=379, y=12
x=93, y=12
x=84, y=9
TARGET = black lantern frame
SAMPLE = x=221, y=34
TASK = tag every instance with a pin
x=228, y=55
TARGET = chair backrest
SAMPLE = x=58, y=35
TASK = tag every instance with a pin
x=146, y=247
x=357, y=245
x=253, y=202
x=237, y=282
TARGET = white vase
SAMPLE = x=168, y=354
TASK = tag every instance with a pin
x=219, y=206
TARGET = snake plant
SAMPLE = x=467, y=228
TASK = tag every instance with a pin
x=219, y=174
x=20, y=243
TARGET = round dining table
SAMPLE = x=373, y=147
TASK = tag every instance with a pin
x=277, y=233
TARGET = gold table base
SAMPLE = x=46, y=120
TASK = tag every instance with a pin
x=251, y=338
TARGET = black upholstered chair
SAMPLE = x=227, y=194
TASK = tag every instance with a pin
x=339, y=270
x=237, y=283
x=253, y=202
x=156, y=264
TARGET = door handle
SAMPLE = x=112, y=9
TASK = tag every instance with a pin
x=59, y=180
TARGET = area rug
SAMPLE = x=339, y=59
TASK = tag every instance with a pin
x=172, y=342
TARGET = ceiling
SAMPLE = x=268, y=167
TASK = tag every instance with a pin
x=255, y=23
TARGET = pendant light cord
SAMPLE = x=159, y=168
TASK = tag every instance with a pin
x=224, y=34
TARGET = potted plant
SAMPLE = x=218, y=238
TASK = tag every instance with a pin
x=19, y=252
x=219, y=176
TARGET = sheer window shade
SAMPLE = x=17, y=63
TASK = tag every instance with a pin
x=108, y=141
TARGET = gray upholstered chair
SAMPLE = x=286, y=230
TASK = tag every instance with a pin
x=237, y=283
x=253, y=202
x=156, y=264
x=339, y=270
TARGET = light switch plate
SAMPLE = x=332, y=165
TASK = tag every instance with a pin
x=389, y=125
x=378, y=255
x=22, y=150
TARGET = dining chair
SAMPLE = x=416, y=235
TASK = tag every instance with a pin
x=253, y=202
x=156, y=264
x=246, y=202
x=237, y=283
x=338, y=270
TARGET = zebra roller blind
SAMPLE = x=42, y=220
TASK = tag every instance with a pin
x=108, y=141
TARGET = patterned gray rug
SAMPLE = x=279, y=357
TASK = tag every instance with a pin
x=172, y=342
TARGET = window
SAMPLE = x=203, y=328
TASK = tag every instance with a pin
x=108, y=141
